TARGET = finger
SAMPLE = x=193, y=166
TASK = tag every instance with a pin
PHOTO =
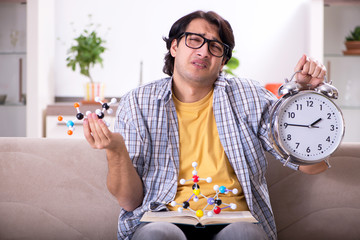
x=323, y=72
x=92, y=117
x=305, y=68
x=317, y=71
x=87, y=132
x=105, y=130
x=102, y=131
x=300, y=63
x=312, y=67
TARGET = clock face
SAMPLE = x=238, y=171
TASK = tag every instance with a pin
x=310, y=126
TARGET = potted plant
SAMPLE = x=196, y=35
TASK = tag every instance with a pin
x=231, y=65
x=353, y=42
x=86, y=52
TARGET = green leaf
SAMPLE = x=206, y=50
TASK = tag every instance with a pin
x=86, y=52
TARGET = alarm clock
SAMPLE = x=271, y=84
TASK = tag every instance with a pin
x=306, y=126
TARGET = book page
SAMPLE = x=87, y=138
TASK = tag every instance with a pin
x=228, y=217
x=187, y=217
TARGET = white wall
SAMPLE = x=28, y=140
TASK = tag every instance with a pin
x=343, y=70
x=40, y=59
x=270, y=38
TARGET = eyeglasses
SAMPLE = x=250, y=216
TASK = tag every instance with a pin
x=196, y=41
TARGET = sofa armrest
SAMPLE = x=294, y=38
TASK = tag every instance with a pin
x=54, y=189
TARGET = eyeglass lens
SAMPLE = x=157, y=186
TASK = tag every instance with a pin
x=196, y=41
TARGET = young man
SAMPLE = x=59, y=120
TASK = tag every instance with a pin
x=194, y=115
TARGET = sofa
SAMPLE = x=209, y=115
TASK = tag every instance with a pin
x=56, y=189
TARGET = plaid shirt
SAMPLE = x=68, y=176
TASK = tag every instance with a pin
x=147, y=120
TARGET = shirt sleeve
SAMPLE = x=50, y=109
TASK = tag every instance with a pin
x=268, y=100
x=127, y=124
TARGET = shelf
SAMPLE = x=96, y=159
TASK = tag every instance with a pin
x=341, y=2
x=349, y=107
x=339, y=55
x=12, y=53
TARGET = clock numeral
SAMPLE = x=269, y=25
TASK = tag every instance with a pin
x=299, y=107
x=291, y=115
x=288, y=137
x=308, y=150
x=332, y=128
x=297, y=145
x=329, y=116
x=309, y=103
x=320, y=147
x=321, y=107
x=328, y=139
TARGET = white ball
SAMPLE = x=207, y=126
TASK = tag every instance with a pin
x=173, y=203
x=210, y=214
x=216, y=187
x=98, y=111
x=235, y=191
x=109, y=111
x=180, y=209
x=113, y=100
x=194, y=164
x=196, y=199
x=182, y=181
x=233, y=206
x=209, y=179
x=194, y=172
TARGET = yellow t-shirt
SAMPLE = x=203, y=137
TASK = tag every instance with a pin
x=200, y=143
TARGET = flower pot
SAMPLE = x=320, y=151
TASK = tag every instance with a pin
x=93, y=90
x=352, y=48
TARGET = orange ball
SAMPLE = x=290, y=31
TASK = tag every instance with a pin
x=69, y=132
x=76, y=105
x=60, y=118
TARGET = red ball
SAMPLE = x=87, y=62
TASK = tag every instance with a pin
x=196, y=178
x=217, y=210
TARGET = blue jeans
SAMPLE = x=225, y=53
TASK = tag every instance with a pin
x=169, y=231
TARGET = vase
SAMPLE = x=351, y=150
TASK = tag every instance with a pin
x=352, y=48
x=93, y=90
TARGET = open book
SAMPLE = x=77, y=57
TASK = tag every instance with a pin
x=187, y=217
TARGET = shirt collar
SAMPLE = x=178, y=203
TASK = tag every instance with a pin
x=165, y=91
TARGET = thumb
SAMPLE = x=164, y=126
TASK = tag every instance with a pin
x=301, y=63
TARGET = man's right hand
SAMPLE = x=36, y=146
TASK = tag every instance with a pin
x=122, y=180
x=99, y=136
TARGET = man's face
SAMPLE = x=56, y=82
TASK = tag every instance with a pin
x=197, y=66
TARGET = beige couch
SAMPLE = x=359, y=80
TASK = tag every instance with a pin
x=56, y=189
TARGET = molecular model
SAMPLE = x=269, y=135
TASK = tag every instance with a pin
x=79, y=116
x=213, y=201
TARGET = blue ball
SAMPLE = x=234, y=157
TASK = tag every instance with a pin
x=222, y=189
x=70, y=124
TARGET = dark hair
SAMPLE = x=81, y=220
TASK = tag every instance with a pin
x=179, y=27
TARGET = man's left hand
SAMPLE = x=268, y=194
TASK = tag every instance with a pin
x=312, y=72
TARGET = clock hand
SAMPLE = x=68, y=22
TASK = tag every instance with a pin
x=299, y=125
x=312, y=125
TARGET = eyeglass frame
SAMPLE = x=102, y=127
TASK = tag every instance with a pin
x=206, y=40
